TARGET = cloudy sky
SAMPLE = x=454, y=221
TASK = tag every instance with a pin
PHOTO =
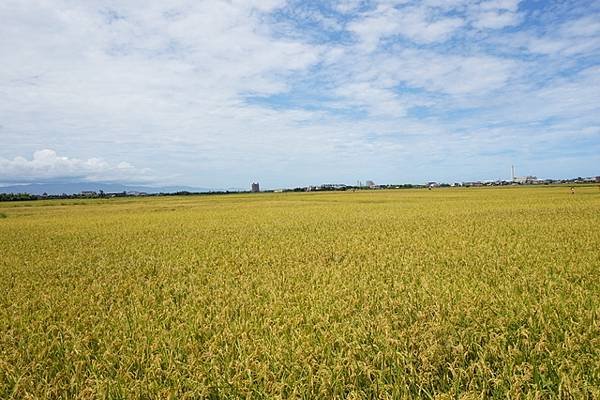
x=223, y=93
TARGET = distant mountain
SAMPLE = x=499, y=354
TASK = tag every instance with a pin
x=74, y=188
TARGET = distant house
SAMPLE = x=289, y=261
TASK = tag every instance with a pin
x=88, y=193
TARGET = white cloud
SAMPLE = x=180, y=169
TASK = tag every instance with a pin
x=347, y=6
x=415, y=23
x=144, y=77
x=47, y=165
x=380, y=101
x=434, y=72
x=495, y=14
x=571, y=38
x=185, y=87
x=456, y=75
x=588, y=26
x=507, y=5
x=496, y=20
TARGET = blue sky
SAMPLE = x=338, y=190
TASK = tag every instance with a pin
x=223, y=93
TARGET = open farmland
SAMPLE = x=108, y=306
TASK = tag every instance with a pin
x=483, y=293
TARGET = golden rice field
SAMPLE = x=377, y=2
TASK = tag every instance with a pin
x=447, y=294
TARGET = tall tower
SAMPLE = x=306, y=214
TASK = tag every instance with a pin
x=255, y=187
x=512, y=170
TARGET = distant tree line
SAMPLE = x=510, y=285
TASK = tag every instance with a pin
x=325, y=188
x=17, y=197
x=100, y=195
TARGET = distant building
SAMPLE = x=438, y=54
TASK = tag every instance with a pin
x=522, y=180
x=525, y=179
x=255, y=187
x=88, y=193
x=333, y=186
x=472, y=184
